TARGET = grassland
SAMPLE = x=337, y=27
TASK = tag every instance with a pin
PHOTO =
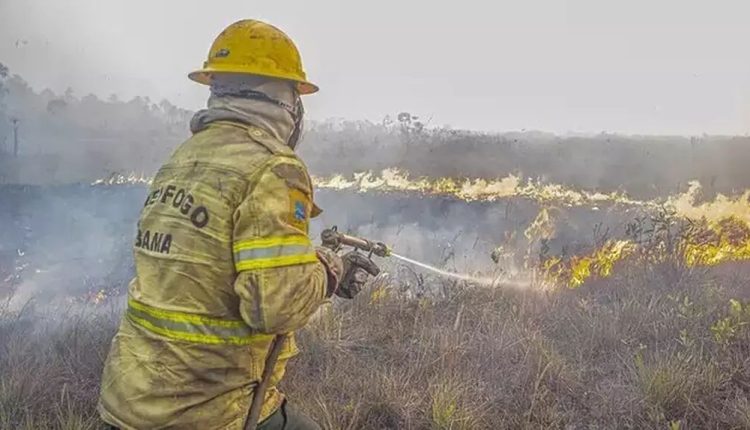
x=656, y=346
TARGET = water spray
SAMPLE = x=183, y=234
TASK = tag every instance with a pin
x=335, y=240
x=459, y=276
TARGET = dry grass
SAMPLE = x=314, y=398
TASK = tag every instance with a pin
x=633, y=351
x=50, y=362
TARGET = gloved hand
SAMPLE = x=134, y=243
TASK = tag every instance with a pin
x=357, y=268
x=334, y=268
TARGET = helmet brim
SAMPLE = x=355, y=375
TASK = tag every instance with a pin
x=204, y=77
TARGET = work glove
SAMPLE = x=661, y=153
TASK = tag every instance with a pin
x=357, y=268
x=334, y=268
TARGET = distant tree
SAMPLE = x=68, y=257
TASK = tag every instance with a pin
x=69, y=95
x=48, y=95
x=387, y=121
x=410, y=125
x=170, y=111
x=56, y=105
x=4, y=73
x=4, y=123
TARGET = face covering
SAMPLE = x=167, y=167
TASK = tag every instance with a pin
x=248, y=88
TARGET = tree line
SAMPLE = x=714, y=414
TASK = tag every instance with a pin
x=71, y=138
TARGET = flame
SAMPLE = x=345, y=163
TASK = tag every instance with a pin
x=710, y=244
x=721, y=207
x=599, y=263
x=99, y=297
x=471, y=189
x=721, y=232
x=480, y=189
x=543, y=226
x=467, y=189
x=700, y=244
x=131, y=178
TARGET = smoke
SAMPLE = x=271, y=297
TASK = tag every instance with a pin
x=71, y=241
x=75, y=241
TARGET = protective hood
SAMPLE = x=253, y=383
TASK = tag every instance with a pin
x=260, y=113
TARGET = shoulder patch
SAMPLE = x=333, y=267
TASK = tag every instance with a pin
x=297, y=179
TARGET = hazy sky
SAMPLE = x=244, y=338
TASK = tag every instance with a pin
x=635, y=66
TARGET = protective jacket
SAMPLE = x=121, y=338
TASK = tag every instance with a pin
x=223, y=263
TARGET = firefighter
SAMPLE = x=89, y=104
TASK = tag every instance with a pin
x=224, y=265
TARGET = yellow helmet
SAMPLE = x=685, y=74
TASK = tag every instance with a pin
x=254, y=48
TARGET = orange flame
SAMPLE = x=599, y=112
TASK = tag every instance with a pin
x=700, y=244
x=476, y=189
x=578, y=269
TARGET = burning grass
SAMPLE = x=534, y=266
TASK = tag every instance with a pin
x=656, y=335
x=666, y=237
x=661, y=345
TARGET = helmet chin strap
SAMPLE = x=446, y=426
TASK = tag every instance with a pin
x=296, y=111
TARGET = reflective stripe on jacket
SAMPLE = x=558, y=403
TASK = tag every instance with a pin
x=223, y=263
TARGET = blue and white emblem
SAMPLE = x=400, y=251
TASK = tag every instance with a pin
x=299, y=211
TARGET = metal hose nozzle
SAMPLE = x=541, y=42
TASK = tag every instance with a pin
x=333, y=239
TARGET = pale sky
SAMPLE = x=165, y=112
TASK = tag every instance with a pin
x=635, y=66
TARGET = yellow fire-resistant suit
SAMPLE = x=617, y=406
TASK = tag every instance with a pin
x=223, y=263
